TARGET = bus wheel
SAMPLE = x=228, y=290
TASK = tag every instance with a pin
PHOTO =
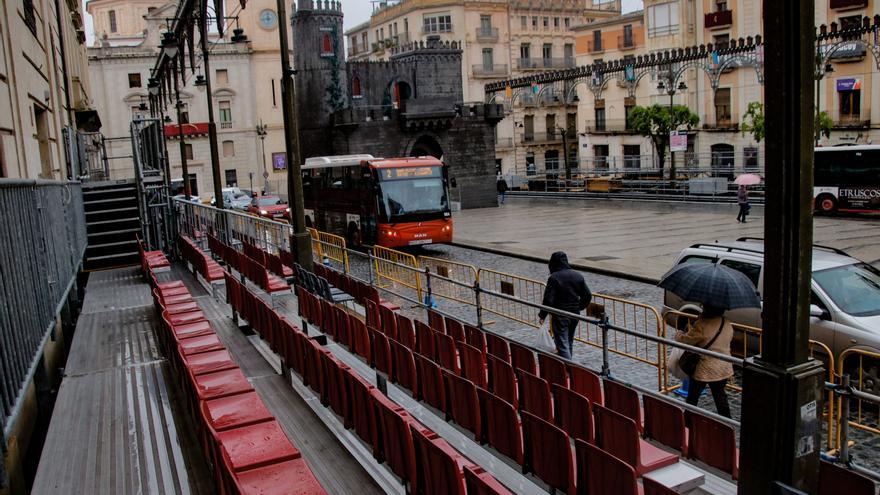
x=826, y=203
x=353, y=239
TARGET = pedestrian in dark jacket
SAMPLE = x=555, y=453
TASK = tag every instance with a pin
x=742, y=198
x=567, y=291
x=501, y=185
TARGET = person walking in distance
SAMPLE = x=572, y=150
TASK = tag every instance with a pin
x=501, y=185
x=742, y=198
x=713, y=332
x=567, y=291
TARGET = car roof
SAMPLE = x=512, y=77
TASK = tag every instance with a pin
x=823, y=257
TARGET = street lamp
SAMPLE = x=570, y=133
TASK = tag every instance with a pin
x=200, y=82
x=169, y=45
x=565, y=155
x=262, y=131
x=671, y=89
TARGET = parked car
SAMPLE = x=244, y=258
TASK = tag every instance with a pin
x=233, y=198
x=269, y=207
x=844, y=297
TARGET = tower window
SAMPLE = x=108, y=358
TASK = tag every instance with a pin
x=134, y=80
x=326, y=44
x=356, y=91
x=112, y=17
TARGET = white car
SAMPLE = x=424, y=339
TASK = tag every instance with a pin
x=844, y=297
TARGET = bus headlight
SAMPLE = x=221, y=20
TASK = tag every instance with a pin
x=447, y=228
x=264, y=212
x=287, y=210
x=391, y=233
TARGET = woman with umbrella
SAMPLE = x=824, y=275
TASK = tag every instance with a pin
x=742, y=194
x=718, y=288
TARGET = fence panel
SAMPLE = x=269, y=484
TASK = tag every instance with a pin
x=863, y=367
x=397, y=269
x=464, y=274
x=331, y=246
x=515, y=286
x=42, y=244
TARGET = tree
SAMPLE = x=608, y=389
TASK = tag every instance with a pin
x=657, y=121
x=822, y=125
x=753, y=121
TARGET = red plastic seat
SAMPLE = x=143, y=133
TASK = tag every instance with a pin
x=209, y=362
x=619, y=436
x=573, y=413
x=425, y=340
x=464, y=405
x=360, y=338
x=479, y=482
x=475, y=337
x=548, y=453
x=664, y=423
x=235, y=411
x=404, y=367
x=365, y=421
x=394, y=437
x=187, y=330
x=620, y=398
x=497, y=346
x=586, y=383
x=447, y=354
x=455, y=329
x=502, y=427
x=196, y=345
x=382, y=359
x=535, y=395
x=600, y=473
x=435, y=321
x=176, y=299
x=652, y=487
x=254, y=446
x=432, y=387
x=439, y=466
x=184, y=318
x=712, y=442
x=389, y=321
x=523, y=358
x=553, y=370
x=473, y=365
x=406, y=334
x=337, y=395
x=221, y=384
x=834, y=479
x=283, y=478
x=502, y=380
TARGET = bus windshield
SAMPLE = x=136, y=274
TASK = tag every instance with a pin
x=413, y=199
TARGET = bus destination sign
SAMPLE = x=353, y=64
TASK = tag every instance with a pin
x=410, y=172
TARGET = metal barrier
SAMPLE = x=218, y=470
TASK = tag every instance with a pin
x=516, y=287
x=397, y=268
x=847, y=392
x=450, y=279
x=861, y=366
x=196, y=220
x=42, y=243
x=331, y=246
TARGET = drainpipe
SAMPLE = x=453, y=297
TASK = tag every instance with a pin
x=70, y=115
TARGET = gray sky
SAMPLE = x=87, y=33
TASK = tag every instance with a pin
x=356, y=12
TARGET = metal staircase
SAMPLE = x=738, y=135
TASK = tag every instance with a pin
x=112, y=221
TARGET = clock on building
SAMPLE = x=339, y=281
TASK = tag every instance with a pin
x=268, y=18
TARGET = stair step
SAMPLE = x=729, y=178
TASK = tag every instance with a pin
x=112, y=210
x=112, y=232
x=116, y=220
x=112, y=256
x=109, y=200
x=106, y=190
x=111, y=244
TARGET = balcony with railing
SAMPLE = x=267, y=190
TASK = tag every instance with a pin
x=593, y=47
x=487, y=34
x=720, y=19
x=626, y=43
x=722, y=124
x=226, y=124
x=545, y=63
x=854, y=122
x=547, y=137
x=608, y=126
x=489, y=70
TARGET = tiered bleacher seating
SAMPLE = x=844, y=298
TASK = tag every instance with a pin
x=250, y=268
x=202, y=264
x=152, y=261
x=249, y=452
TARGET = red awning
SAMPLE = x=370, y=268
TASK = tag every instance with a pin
x=200, y=128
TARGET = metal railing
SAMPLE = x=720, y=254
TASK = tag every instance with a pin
x=487, y=34
x=545, y=63
x=42, y=243
x=489, y=70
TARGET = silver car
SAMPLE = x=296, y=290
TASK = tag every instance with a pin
x=844, y=297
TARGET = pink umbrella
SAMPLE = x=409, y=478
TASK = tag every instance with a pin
x=748, y=180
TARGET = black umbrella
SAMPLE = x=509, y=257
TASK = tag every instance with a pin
x=711, y=284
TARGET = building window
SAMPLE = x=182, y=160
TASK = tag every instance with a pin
x=188, y=151
x=225, y=114
x=523, y=21
x=488, y=60
x=134, y=80
x=850, y=100
x=112, y=17
x=628, y=36
x=722, y=106
x=530, y=163
x=663, y=19
x=597, y=41
x=600, y=153
x=382, y=34
x=547, y=52
x=551, y=161
x=222, y=76
x=525, y=51
x=406, y=26
x=228, y=148
x=441, y=23
x=529, y=128
x=556, y=22
x=627, y=109
x=231, y=177
x=567, y=23
x=546, y=22
x=535, y=22
x=364, y=41
x=600, y=119
x=571, y=123
x=850, y=22
x=750, y=157
x=30, y=16
x=356, y=91
x=631, y=156
x=326, y=45
x=721, y=41
x=550, y=125
x=568, y=53
x=720, y=5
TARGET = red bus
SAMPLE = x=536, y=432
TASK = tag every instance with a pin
x=389, y=202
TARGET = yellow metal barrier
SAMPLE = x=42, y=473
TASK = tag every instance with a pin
x=463, y=273
x=636, y=317
x=395, y=267
x=330, y=245
x=863, y=366
x=515, y=286
x=828, y=358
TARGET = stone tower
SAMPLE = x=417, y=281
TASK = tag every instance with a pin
x=321, y=81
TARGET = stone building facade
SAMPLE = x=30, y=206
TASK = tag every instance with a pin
x=409, y=105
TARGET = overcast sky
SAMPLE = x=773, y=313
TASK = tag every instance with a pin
x=356, y=12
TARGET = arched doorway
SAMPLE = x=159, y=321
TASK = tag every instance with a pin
x=426, y=145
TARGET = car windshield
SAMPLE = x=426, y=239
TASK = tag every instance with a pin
x=410, y=198
x=268, y=201
x=855, y=289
